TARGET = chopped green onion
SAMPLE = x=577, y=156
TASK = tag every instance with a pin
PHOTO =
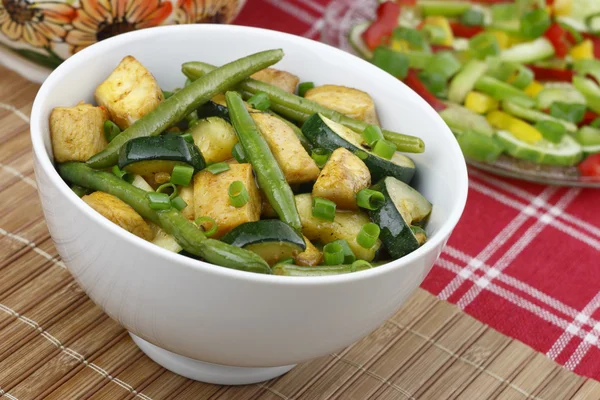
x=415, y=38
x=305, y=87
x=162, y=188
x=595, y=123
x=574, y=32
x=159, y=201
x=320, y=156
x=552, y=131
x=472, y=17
x=483, y=45
x=349, y=256
x=179, y=203
x=323, y=208
x=568, y=111
x=371, y=134
x=188, y=137
x=238, y=153
x=384, y=149
x=80, y=190
x=238, y=195
x=111, y=130
x=333, y=254
x=521, y=76
x=370, y=199
x=435, y=82
x=260, y=101
x=535, y=23
x=435, y=34
x=217, y=168
x=444, y=63
x=363, y=155
x=122, y=174
x=392, y=62
x=213, y=225
x=367, y=237
x=361, y=265
x=504, y=12
x=182, y=175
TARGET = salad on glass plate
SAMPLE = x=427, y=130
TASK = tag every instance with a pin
x=517, y=82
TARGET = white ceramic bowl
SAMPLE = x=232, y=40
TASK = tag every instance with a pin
x=181, y=310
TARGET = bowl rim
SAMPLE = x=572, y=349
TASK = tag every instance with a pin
x=81, y=58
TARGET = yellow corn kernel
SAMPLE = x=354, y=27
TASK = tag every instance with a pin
x=524, y=131
x=583, y=51
x=533, y=89
x=499, y=119
x=443, y=23
x=502, y=38
x=400, y=45
x=480, y=103
x=562, y=7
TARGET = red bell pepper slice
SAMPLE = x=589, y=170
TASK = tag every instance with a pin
x=413, y=82
x=588, y=118
x=595, y=40
x=590, y=166
x=435, y=48
x=558, y=37
x=382, y=27
x=409, y=3
x=551, y=74
x=464, y=31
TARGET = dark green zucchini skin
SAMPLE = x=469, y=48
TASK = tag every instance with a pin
x=161, y=148
x=269, y=230
x=396, y=234
x=212, y=109
x=321, y=135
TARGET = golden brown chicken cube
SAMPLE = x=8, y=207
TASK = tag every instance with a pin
x=296, y=164
x=77, y=133
x=352, y=102
x=120, y=213
x=211, y=198
x=309, y=257
x=129, y=92
x=282, y=79
x=343, y=176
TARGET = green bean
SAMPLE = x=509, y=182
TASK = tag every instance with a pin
x=268, y=173
x=299, y=109
x=320, y=270
x=186, y=100
x=192, y=239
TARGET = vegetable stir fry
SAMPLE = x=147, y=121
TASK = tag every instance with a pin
x=521, y=77
x=235, y=169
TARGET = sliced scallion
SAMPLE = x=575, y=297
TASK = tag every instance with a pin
x=111, y=130
x=238, y=195
x=179, y=203
x=349, y=256
x=238, y=153
x=384, y=149
x=217, y=168
x=370, y=199
x=320, y=156
x=158, y=201
x=182, y=175
x=323, y=208
x=372, y=134
x=213, y=225
x=305, y=87
x=368, y=235
x=260, y=101
x=333, y=254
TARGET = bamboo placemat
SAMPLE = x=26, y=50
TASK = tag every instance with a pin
x=56, y=344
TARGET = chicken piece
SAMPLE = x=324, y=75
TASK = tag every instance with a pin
x=211, y=198
x=282, y=79
x=296, y=164
x=351, y=102
x=343, y=176
x=309, y=257
x=187, y=194
x=346, y=225
x=129, y=92
x=77, y=133
x=120, y=213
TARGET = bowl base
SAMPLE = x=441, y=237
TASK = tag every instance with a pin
x=208, y=372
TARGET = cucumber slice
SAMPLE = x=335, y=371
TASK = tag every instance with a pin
x=148, y=155
x=534, y=115
x=465, y=79
x=356, y=41
x=588, y=136
x=589, y=150
x=325, y=133
x=529, y=52
x=443, y=7
x=512, y=27
x=565, y=93
x=568, y=152
x=271, y=239
x=403, y=206
x=461, y=119
x=590, y=90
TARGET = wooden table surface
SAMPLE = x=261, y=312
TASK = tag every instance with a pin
x=56, y=344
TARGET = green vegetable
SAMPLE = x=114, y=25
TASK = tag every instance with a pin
x=238, y=195
x=320, y=156
x=384, y=149
x=348, y=254
x=503, y=91
x=573, y=31
x=305, y=87
x=419, y=233
x=166, y=188
x=465, y=79
x=479, y=147
x=566, y=153
x=461, y=119
x=372, y=134
x=327, y=134
x=178, y=203
x=566, y=94
x=171, y=221
x=444, y=63
x=159, y=201
x=504, y=12
x=268, y=173
x=472, y=17
x=323, y=208
x=182, y=175
x=147, y=155
x=595, y=123
x=593, y=23
x=588, y=136
x=356, y=41
x=569, y=112
x=535, y=116
x=369, y=199
x=415, y=38
x=260, y=101
x=118, y=172
x=80, y=191
x=111, y=130
x=238, y=153
x=588, y=67
x=300, y=109
x=393, y=62
x=217, y=168
x=321, y=270
x=333, y=253
x=529, y=52
x=535, y=23
x=176, y=107
x=551, y=131
x=435, y=34
x=484, y=45
x=213, y=225
x=590, y=90
x=272, y=239
x=435, y=82
x=418, y=59
x=368, y=235
x=212, y=109
x=446, y=8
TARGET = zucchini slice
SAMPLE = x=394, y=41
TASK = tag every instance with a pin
x=403, y=207
x=213, y=109
x=325, y=133
x=148, y=155
x=272, y=239
x=215, y=138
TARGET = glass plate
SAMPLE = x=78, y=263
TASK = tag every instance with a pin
x=341, y=15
